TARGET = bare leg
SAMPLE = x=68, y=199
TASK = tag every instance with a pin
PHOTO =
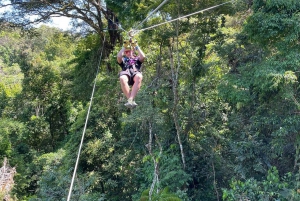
x=124, y=85
x=136, y=86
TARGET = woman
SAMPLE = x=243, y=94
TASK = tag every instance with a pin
x=131, y=75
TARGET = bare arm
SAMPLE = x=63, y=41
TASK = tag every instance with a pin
x=141, y=54
x=120, y=55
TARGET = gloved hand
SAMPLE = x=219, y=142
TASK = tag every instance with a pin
x=126, y=44
x=134, y=44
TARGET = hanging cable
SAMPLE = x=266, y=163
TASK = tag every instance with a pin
x=150, y=14
x=85, y=125
x=185, y=16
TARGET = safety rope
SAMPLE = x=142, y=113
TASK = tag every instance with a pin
x=85, y=125
x=185, y=16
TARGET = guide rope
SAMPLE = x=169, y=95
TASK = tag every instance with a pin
x=85, y=125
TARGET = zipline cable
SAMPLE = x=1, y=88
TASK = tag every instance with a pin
x=200, y=11
x=85, y=125
x=165, y=1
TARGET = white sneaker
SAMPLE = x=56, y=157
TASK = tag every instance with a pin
x=133, y=104
x=129, y=103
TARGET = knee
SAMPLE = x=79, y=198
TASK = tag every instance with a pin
x=123, y=80
x=138, y=77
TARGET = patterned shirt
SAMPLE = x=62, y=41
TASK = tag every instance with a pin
x=128, y=63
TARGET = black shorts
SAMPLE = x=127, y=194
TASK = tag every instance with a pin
x=130, y=74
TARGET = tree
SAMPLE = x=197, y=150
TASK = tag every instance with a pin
x=261, y=88
x=89, y=15
x=273, y=187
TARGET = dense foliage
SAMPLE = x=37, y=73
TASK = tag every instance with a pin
x=217, y=116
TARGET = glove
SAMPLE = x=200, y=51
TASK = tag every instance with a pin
x=134, y=44
x=126, y=44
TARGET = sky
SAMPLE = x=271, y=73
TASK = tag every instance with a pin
x=59, y=22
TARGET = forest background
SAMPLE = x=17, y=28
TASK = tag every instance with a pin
x=218, y=114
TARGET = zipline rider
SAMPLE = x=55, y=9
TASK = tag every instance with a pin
x=131, y=74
